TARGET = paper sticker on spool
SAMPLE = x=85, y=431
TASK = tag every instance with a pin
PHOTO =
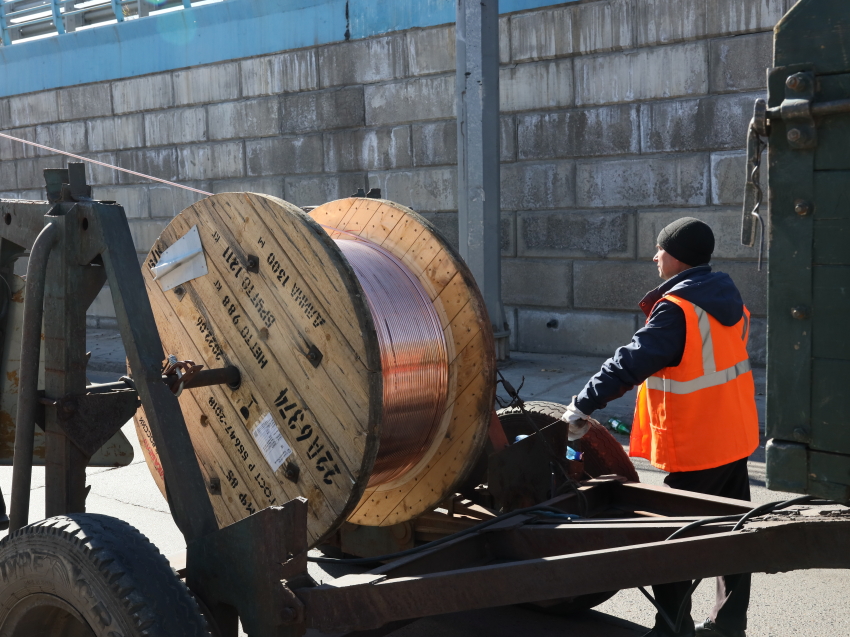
x=181, y=262
x=271, y=443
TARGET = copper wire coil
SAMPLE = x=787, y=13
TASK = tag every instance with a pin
x=414, y=356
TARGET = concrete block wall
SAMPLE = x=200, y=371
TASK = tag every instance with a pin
x=618, y=116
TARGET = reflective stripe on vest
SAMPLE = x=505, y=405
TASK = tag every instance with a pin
x=711, y=377
x=703, y=382
x=707, y=345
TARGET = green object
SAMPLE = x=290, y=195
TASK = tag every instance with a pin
x=618, y=426
x=808, y=374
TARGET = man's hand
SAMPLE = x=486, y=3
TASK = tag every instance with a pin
x=577, y=420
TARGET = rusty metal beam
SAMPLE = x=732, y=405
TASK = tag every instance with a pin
x=762, y=548
x=68, y=282
x=535, y=541
x=667, y=501
x=108, y=235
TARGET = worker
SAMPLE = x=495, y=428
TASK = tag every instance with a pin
x=695, y=414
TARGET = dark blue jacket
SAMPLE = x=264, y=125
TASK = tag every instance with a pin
x=661, y=342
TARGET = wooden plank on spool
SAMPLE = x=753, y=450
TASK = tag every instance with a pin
x=332, y=214
x=472, y=366
x=450, y=285
x=407, y=231
x=440, y=271
x=301, y=297
x=453, y=297
x=439, y=477
x=383, y=222
x=357, y=217
x=420, y=255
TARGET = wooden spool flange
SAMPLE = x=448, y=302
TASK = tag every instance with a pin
x=282, y=303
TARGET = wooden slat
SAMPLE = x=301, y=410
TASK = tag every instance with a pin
x=382, y=223
x=453, y=298
x=357, y=218
x=440, y=270
x=331, y=214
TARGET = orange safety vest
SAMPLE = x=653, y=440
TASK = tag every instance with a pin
x=701, y=413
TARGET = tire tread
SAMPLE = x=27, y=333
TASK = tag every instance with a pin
x=137, y=574
x=603, y=452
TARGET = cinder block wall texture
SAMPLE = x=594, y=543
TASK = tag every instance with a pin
x=618, y=116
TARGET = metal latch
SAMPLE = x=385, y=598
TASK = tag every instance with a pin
x=753, y=195
x=796, y=111
x=799, y=111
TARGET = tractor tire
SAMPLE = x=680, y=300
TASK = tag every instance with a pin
x=603, y=454
x=86, y=575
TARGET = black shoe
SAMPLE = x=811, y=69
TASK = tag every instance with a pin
x=656, y=632
x=709, y=629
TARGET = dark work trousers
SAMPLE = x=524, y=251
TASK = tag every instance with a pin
x=733, y=591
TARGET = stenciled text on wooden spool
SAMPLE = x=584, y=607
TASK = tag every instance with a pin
x=281, y=303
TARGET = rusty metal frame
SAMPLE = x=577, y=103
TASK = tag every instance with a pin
x=515, y=562
x=371, y=600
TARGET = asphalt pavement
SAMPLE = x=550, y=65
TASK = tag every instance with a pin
x=804, y=603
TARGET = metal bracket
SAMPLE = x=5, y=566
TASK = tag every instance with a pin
x=796, y=110
x=92, y=419
x=254, y=565
x=374, y=193
x=520, y=475
x=761, y=123
x=67, y=184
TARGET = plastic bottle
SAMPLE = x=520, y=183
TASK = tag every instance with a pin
x=618, y=426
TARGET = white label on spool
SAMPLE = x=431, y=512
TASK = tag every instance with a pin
x=181, y=262
x=271, y=443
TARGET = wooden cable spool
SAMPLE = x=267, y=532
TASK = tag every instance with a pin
x=283, y=303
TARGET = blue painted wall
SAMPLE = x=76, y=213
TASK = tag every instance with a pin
x=373, y=17
x=213, y=33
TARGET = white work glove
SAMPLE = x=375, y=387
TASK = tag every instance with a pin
x=577, y=420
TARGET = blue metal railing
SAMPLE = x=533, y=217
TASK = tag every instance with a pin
x=22, y=20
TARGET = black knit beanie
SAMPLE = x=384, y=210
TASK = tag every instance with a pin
x=689, y=240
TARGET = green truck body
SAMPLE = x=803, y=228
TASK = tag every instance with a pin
x=808, y=339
